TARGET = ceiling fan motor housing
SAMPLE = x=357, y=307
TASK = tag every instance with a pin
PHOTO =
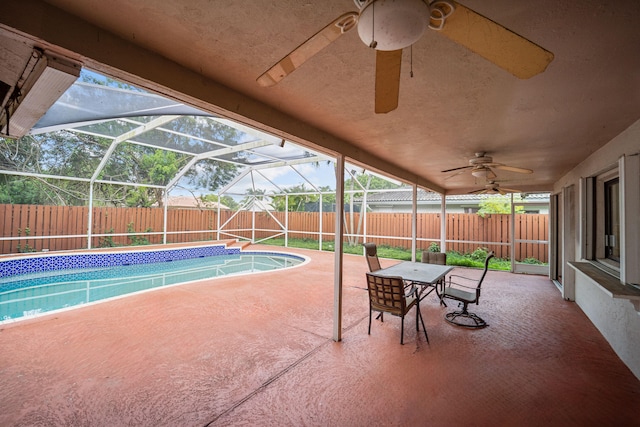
x=480, y=159
x=392, y=24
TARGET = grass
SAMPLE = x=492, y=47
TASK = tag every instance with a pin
x=473, y=260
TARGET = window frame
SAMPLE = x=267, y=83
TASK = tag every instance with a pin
x=601, y=207
x=627, y=170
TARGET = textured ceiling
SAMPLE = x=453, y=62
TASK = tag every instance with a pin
x=456, y=103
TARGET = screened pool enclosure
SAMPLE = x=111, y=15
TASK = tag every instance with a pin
x=112, y=165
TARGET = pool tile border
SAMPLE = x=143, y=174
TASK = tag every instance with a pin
x=56, y=262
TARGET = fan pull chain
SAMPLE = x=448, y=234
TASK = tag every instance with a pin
x=373, y=43
x=411, y=62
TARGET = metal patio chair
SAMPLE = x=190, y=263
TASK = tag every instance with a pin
x=439, y=258
x=466, y=291
x=371, y=254
x=388, y=295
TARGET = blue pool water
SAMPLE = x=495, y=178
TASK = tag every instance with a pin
x=28, y=295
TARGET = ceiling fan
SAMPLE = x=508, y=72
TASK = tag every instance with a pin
x=493, y=187
x=481, y=167
x=388, y=26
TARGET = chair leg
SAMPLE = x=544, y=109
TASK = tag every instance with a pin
x=402, y=332
x=453, y=316
x=440, y=294
x=369, y=320
x=419, y=315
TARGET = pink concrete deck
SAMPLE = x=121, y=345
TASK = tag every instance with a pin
x=257, y=350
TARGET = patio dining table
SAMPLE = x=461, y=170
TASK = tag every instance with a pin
x=425, y=275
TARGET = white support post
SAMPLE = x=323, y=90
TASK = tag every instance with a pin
x=338, y=239
x=90, y=217
x=253, y=220
x=286, y=220
x=414, y=220
x=218, y=218
x=443, y=223
x=164, y=219
x=363, y=212
x=512, y=237
x=320, y=225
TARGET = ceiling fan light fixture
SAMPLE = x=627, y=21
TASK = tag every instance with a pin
x=480, y=172
x=392, y=24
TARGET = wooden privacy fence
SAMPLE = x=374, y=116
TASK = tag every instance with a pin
x=34, y=225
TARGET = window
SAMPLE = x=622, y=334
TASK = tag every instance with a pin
x=612, y=220
x=602, y=245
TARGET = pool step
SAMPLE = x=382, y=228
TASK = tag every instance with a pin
x=236, y=244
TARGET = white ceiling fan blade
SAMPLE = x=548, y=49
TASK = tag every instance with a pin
x=492, y=41
x=388, y=65
x=308, y=49
x=512, y=169
x=481, y=191
x=511, y=190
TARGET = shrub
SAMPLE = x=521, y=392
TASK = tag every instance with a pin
x=107, y=241
x=433, y=247
x=479, y=254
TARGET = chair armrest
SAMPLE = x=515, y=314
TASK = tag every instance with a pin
x=462, y=277
x=413, y=290
x=470, y=283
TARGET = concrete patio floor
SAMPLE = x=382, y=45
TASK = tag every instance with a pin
x=257, y=350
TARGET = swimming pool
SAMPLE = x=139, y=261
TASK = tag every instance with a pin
x=35, y=293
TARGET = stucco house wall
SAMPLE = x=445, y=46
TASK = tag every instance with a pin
x=617, y=318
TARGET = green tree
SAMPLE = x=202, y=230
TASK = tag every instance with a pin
x=157, y=168
x=225, y=200
x=65, y=153
x=297, y=202
x=78, y=154
x=499, y=205
x=20, y=190
x=369, y=182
